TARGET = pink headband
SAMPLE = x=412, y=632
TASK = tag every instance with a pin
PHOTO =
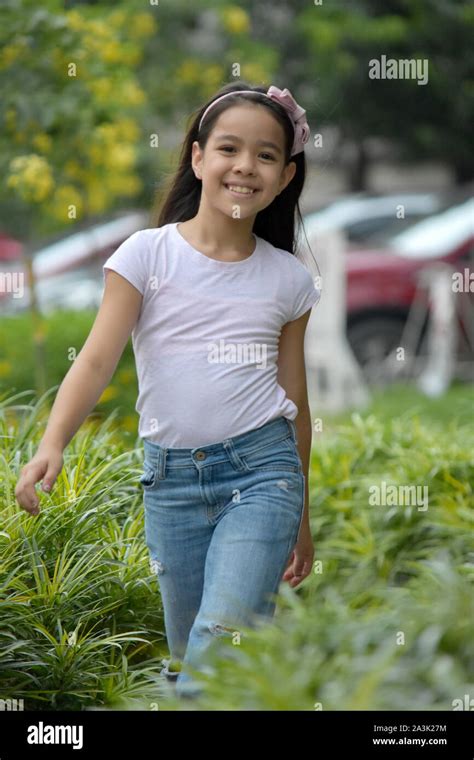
x=285, y=99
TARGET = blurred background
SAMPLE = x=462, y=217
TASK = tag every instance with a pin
x=95, y=102
x=96, y=97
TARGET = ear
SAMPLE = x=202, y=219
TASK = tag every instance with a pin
x=287, y=175
x=196, y=159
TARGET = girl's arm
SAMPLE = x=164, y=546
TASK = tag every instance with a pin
x=292, y=377
x=83, y=385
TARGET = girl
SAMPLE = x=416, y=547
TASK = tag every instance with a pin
x=217, y=305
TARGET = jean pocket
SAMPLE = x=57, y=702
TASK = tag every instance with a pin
x=148, y=477
x=280, y=457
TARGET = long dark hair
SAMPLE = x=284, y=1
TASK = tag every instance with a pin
x=276, y=222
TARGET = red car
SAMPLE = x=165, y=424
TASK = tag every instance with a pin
x=382, y=282
x=10, y=249
x=68, y=268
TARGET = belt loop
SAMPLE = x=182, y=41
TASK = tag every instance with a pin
x=293, y=430
x=232, y=454
x=162, y=452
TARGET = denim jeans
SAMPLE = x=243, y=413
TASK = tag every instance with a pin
x=221, y=522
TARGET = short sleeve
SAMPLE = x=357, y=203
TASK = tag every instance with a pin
x=130, y=260
x=305, y=294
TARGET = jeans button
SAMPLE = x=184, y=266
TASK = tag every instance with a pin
x=200, y=455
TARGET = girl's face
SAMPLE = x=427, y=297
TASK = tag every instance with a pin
x=244, y=149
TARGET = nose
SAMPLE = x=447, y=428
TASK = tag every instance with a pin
x=244, y=164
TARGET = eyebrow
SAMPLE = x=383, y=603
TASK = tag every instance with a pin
x=259, y=142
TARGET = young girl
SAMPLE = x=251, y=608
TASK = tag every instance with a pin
x=217, y=305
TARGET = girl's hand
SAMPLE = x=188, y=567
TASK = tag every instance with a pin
x=47, y=464
x=301, y=560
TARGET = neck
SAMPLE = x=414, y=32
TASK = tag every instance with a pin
x=218, y=232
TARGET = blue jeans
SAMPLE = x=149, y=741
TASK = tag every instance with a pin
x=221, y=522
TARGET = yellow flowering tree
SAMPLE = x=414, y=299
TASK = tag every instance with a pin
x=69, y=111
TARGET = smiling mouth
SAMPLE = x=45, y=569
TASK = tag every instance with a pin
x=240, y=193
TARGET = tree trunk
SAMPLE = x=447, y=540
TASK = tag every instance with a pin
x=38, y=324
x=359, y=168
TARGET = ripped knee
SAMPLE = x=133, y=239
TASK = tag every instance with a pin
x=219, y=630
x=157, y=567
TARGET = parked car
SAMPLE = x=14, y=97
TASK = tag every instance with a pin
x=10, y=249
x=69, y=270
x=381, y=283
x=362, y=216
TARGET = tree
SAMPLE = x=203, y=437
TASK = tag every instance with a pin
x=69, y=112
x=431, y=120
x=69, y=115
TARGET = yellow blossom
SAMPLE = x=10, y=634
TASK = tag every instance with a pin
x=127, y=129
x=129, y=423
x=121, y=156
x=117, y=18
x=189, y=72
x=143, y=25
x=75, y=20
x=102, y=88
x=5, y=369
x=131, y=55
x=100, y=29
x=212, y=77
x=64, y=197
x=112, y=52
x=107, y=132
x=109, y=393
x=123, y=184
x=132, y=94
x=235, y=20
x=43, y=142
x=31, y=177
x=9, y=54
x=74, y=170
x=13, y=181
x=256, y=73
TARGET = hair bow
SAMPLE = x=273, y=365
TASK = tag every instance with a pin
x=296, y=113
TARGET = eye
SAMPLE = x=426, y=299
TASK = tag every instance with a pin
x=229, y=147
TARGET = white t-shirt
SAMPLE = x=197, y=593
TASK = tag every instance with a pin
x=206, y=340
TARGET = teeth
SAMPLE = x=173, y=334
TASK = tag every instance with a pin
x=238, y=189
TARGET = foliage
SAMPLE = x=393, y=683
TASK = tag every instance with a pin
x=69, y=112
x=428, y=121
x=385, y=621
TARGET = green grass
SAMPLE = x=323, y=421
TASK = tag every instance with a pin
x=385, y=621
x=406, y=401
